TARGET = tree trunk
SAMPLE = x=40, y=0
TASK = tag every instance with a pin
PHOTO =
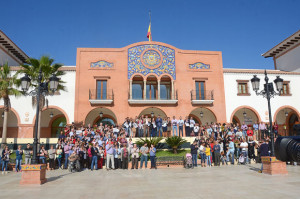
x=4, y=132
x=175, y=150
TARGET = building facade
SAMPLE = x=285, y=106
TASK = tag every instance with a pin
x=109, y=84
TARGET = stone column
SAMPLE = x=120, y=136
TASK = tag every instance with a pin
x=158, y=89
x=130, y=89
x=173, y=90
x=145, y=89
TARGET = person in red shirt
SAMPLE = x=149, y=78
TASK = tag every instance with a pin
x=250, y=133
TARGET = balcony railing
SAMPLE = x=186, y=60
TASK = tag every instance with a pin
x=101, y=97
x=202, y=97
x=170, y=100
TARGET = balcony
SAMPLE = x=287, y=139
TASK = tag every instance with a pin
x=171, y=100
x=103, y=98
x=202, y=98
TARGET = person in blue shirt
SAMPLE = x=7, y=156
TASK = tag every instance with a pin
x=230, y=151
x=19, y=154
x=152, y=156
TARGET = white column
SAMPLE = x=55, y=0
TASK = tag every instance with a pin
x=173, y=90
x=130, y=89
x=145, y=89
x=158, y=89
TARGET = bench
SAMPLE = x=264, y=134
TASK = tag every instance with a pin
x=170, y=160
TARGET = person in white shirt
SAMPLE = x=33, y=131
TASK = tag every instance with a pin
x=244, y=148
x=180, y=125
x=196, y=129
x=174, y=126
x=192, y=124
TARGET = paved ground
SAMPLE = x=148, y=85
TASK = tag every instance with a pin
x=223, y=182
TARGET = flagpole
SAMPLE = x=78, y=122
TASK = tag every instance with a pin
x=150, y=37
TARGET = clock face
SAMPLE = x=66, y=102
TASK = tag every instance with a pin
x=151, y=58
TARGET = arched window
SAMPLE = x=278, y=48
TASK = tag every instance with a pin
x=57, y=126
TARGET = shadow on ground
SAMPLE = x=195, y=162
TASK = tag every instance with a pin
x=53, y=178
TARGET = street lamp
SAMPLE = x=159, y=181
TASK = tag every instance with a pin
x=268, y=92
x=51, y=115
x=152, y=114
x=41, y=89
x=286, y=114
x=2, y=115
x=201, y=114
x=101, y=114
x=244, y=114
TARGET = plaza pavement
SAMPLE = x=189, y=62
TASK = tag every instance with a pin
x=238, y=181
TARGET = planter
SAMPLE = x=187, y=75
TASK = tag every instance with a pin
x=272, y=166
x=33, y=174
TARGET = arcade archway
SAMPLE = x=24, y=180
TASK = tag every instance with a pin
x=156, y=112
x=97, y=115
x=286, y=117
x=245, y=114
x=53, y=121
x=203, y=116
x=12, y=124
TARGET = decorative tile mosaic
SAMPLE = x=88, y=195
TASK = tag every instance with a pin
x=102, y=64
x=37, y=167
x=199, y=65
x=151, y=58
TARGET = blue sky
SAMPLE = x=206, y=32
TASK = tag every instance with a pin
x=241, y=29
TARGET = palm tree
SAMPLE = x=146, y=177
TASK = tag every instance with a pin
x=175, y=142
x=150, y=141
x=8, y=83
x=32, y=68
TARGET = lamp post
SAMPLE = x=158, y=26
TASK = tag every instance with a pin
x=41, y=89
x=268, y=92
x=101, y=114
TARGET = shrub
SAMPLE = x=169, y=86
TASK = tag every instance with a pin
x=175, y=142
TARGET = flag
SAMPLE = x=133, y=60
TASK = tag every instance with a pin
x=149, y=33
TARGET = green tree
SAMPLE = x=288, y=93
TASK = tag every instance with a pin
x=8, y=84
x=48, y=67
x=175, y=142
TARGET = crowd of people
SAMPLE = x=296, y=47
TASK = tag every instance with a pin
x=92, y=147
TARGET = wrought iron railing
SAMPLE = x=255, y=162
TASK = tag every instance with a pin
x=202, y=95
x=142, y=98
x=100, y=95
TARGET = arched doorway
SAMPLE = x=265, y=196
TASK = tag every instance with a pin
x=12, y=123
x=286, y=117
x=165, y=88
x=151, y=88
x=245, y=114
x=98, y=115
x=203, y=116
x=137, y=87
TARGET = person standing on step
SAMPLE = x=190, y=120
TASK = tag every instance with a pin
x=144, y=155
x=134, y=156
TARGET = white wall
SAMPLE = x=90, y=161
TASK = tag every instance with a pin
x=4, y=57
x=65, y=101
x=258, y=102
x=290, y=61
